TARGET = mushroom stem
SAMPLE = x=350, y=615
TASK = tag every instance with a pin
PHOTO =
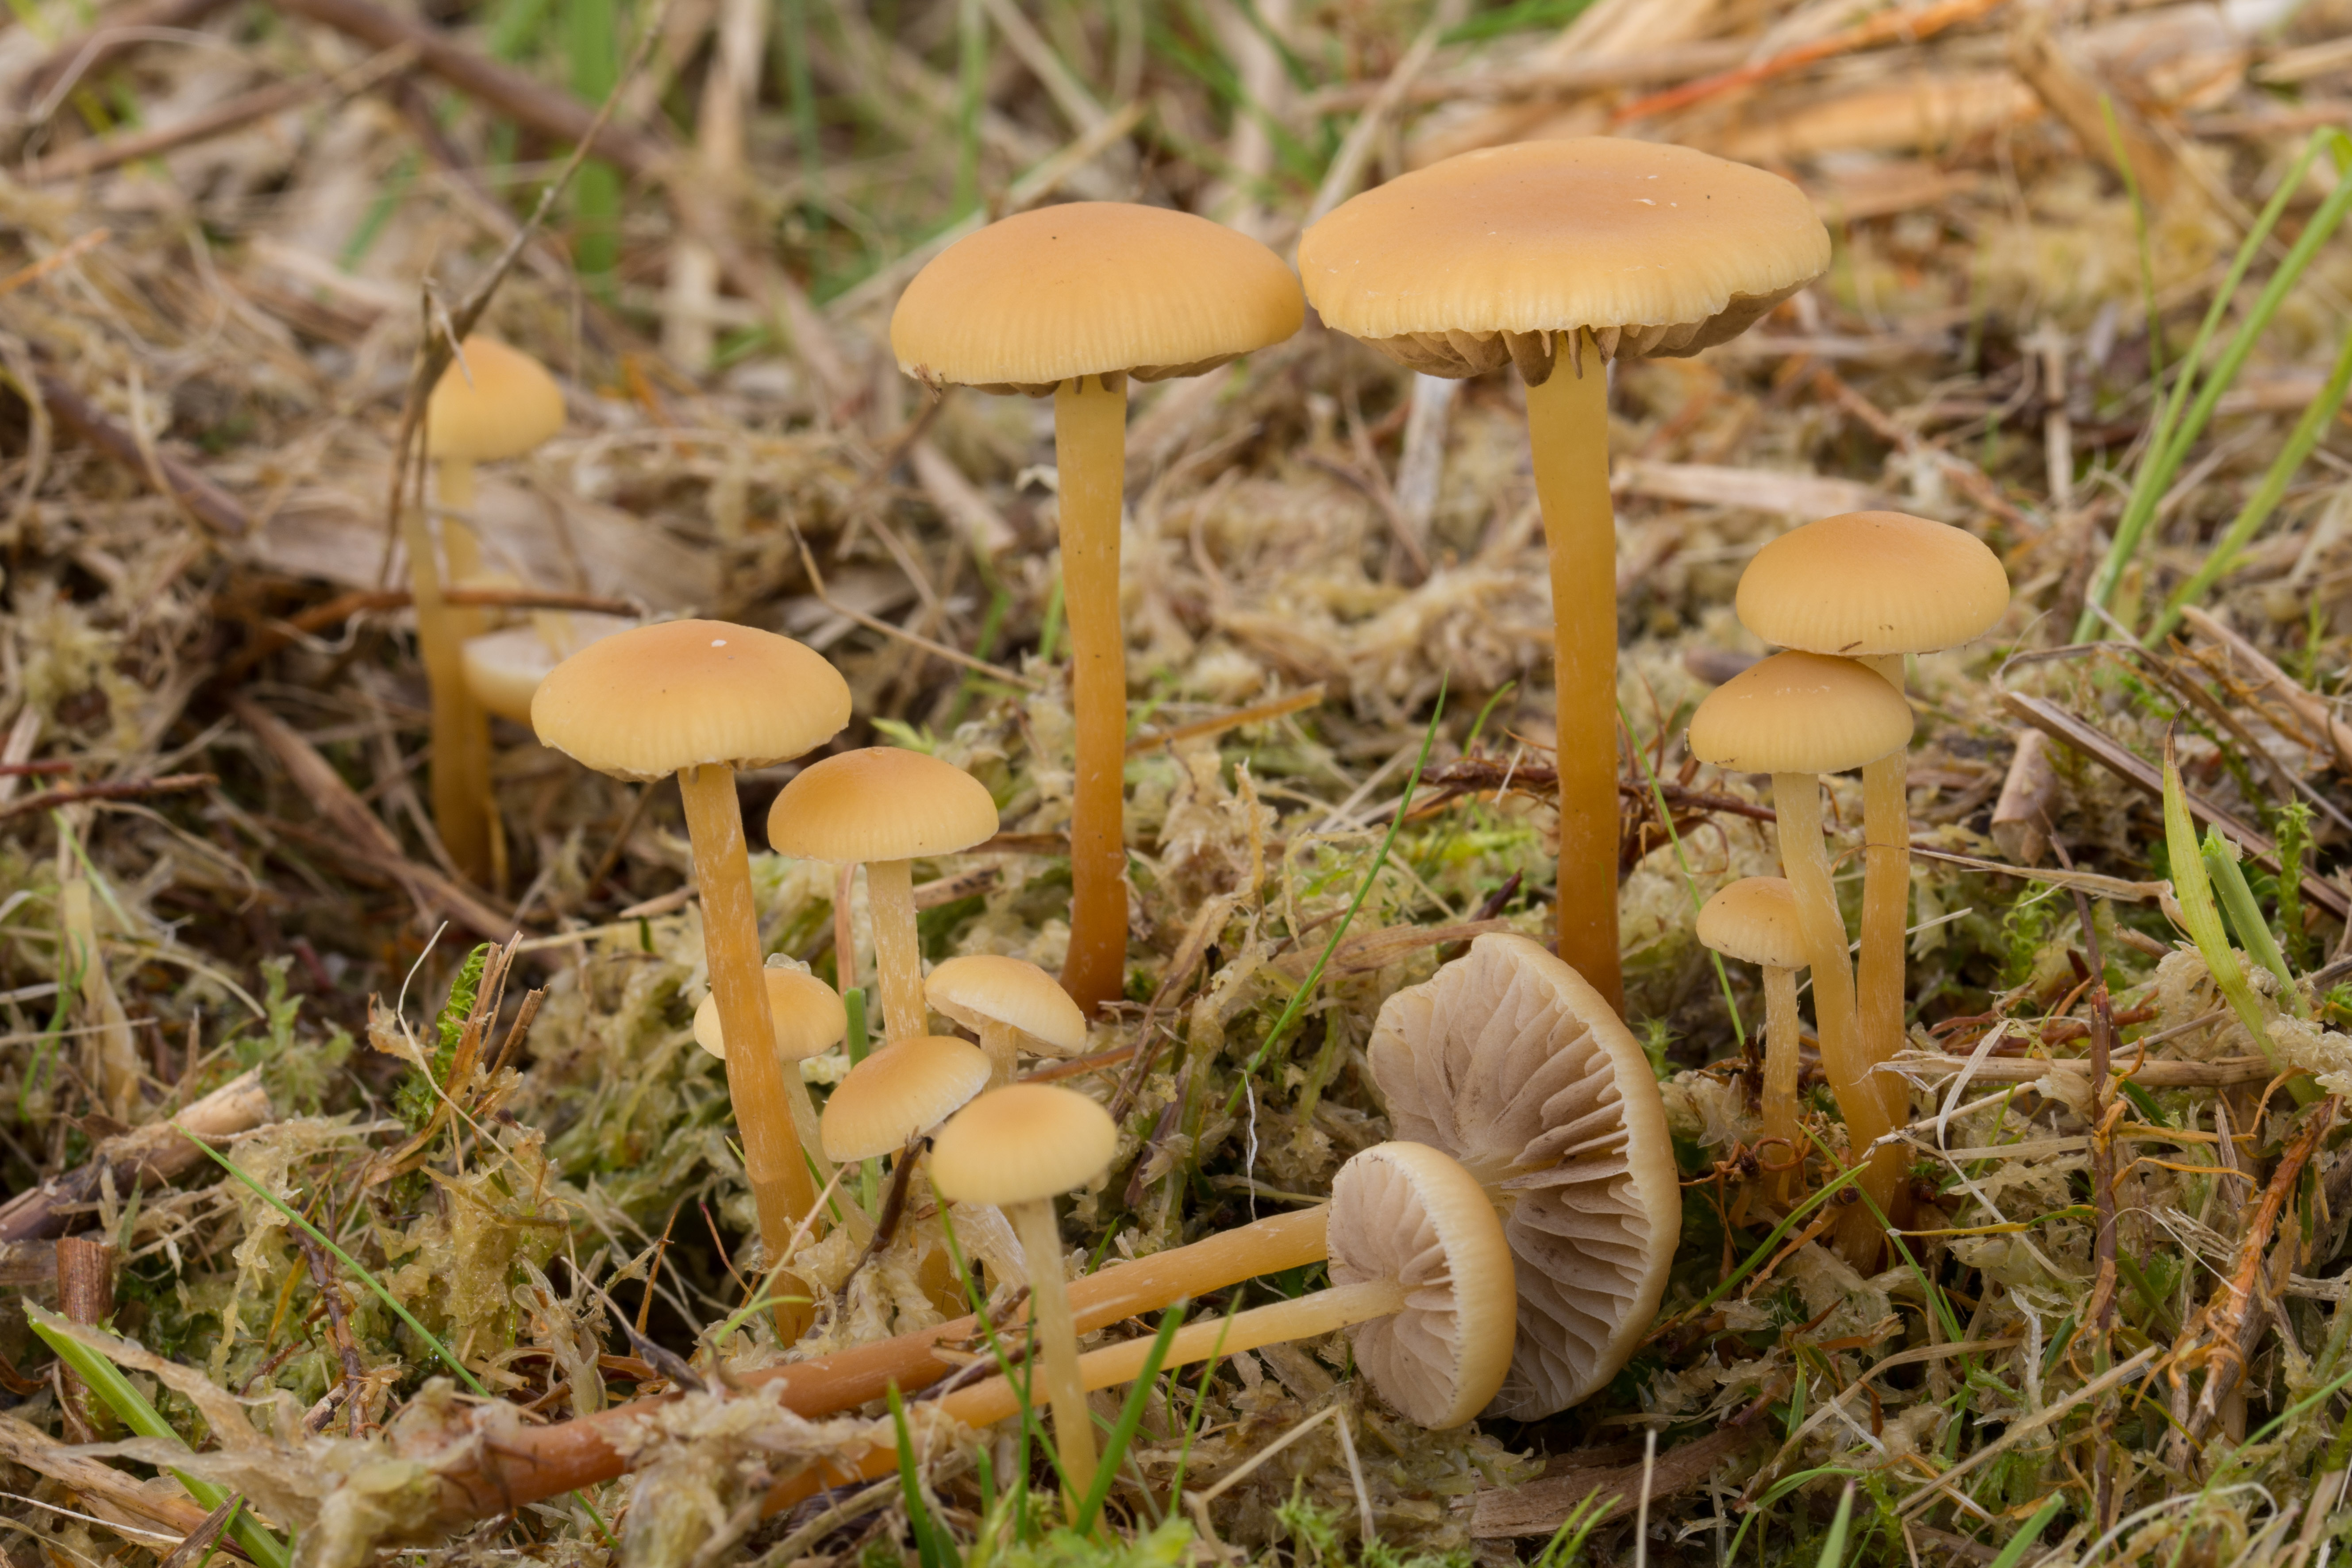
x=1781, y=1052
x=1568, y=432
x=459, y=808
x=898, y=957
x=1057, y=1344
x=1886, y=901
x=1090, y=458
x=1340, y=1307
x=1001, y=1041
x=1797, y=801
x=461, y=554
x=773, y=1160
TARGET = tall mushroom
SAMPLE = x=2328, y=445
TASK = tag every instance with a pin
x=1069, y=301
x=1796, y=716
x=1511, y=1063
x=701, y=698
x=1556, y=258
x=492, y=403
x=1421, y=1278
x=1873, y=586
x=1007, y=1002
x=1020, y=1148
x=810, y=1021
x=1754, y=921
x=885, y=807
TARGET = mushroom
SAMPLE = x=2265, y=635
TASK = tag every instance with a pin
x=809, y=1019
x=889, y=1103
x=1509, y=1061
x=1070, y=301
x=503, y=669
x=1754, y=921
x=701, y=698
x=492, y=402
x=885, y=807
x=1019, y=1148
x=1795, y=716
x=1420, y=1274
x=1554, y=257
x=1873, y=586
x=1007, y=1002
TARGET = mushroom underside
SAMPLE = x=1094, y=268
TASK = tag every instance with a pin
x=1466, y=353
x=1139, y=372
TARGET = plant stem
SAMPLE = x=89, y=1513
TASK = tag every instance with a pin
x=458, y=813
x=1568, y=432
x=772, y=1161
x=1885, y=899
x=1090, y=453
x=897, y=955
x=1057, y=1345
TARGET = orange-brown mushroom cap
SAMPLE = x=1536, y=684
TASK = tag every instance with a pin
x=1755, y=920
x=492, y=403
x=897, y=1093
x=884, y=802
x=1864, y=584
x=1800, y=713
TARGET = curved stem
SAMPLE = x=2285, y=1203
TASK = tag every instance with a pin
x=458, y=813
x=1885, y=902
x=1057, y=1345
x=897, y=954
x=1003, y=1043
x=1568, y=433
x=1781, y=1065
x=1090, y=458
x=1797, y=801
x=772, y=1161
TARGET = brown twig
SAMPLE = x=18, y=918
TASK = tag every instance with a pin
x=1971, y=480
x=212, y=508
x=86, y=1296
x=339, y=1328
x=113, y=789
x=1886, y=28
x=143, y=1158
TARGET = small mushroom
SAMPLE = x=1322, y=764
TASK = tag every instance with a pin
x=493, y=402
x=1508, y=1060
x=885, y=807
x=1008, y=1003
x=504, y=667
x=1554, y=257
x=1755, y=920
x=1068, y=302
x=1797, y=716
x=1019, y=1148
x=1873, y=586
x=889, y=1103
x=701, y=698
x=810, y=1021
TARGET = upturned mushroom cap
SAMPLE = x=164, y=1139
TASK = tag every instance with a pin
x=1755, y=920
x=1023, y=1142
x=492, y=403
x=1799, y=713
x=1867, y=584
x=646, y=703
x=1483, y=259
x=1407, y=1212
x=809, y=1016
x=503, y=669
x=884, y=802
x=900, y=1090
x=1509, y=1062
x=1087, y=289
x=986, y=987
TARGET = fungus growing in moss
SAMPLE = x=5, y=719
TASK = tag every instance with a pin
x=1007, y=1002
x=1755, y=920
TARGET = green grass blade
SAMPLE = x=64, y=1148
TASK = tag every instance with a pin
x=2246, y=919
x=106, y=1379
x=1833, y=1547
x=2024, y=1540
x=1131, y=1416
x=930, y=1542
x=1338, y=932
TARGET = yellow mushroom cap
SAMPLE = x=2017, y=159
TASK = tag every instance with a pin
x=1799, y=713
x=1472, y=262
x=808, y=1015
x=1087, y=289
x=503, y=669
x=884, y=802
x=1410, y=1213
x=905, y=1088
x=1867, y=584
x=493, y=402
x=986, y=987
x=1755, y=920
x=1509, y=1061
x=645, y=703
x=1023, y=1142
